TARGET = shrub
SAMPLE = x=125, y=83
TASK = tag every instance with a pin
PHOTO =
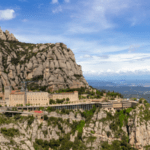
x=40, y=126
x=50, y=109
x=42, y=108
x=14, y=109
x=80, y=126
x=31, y=119
x=117, y=145
x=91, y=139
x=45, y=117
x=145, y=101
x=60, y=101
x=65, y=111
x=51, y=101
x=92, y=132
x=108, y=133
x=112, y=98
x=88, y=114
x=140, y=100
x=67, y=99
x=10, y=132
x=17, y=117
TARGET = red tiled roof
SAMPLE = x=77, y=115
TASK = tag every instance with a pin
x=16, y=93
x=36, y=111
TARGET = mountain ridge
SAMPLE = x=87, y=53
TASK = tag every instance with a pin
x=54, y=65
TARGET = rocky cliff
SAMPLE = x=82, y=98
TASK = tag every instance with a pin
x=97, y=129
x=53, y=65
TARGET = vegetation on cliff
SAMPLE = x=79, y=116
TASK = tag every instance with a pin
x=84, y=130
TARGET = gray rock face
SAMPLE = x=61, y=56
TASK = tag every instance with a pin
x=38, y=71
x=22, y=59
x=55, y=62
x=7, y=36
x=30, y=66
x=2, y=35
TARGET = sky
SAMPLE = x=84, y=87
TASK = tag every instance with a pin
x=110, y=38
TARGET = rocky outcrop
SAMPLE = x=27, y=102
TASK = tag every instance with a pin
x=7, y=36
x=103, y=126
x=54, y=63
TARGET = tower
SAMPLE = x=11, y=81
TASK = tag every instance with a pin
x=7, y=91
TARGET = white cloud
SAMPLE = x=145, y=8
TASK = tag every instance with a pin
x=7, y=14
x=54, y=1
x=91, y=55
x=116, y=64
x=133, y=48
x=67, y=1
x=99, y=15
x=24, y=20
x=77, y=28
x=95, y=16
x=87, y=56
x=57, y=10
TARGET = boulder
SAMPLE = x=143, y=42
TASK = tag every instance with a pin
x=22, y=68
x=51, y=65
x=43, y=57
x=12, y=67
x=38, y=71
x=42, y=47
x=22, y=58
x=39, y=60
x=1, y=68
x=52, y=78
x=62, y=63
x=16, y=80
x=35, y=64
x=46, y=64
x=56, y=64
x=29, y=66
x=46, y=73
x=38, y=55
x=57, y=71
x=13, y=84
x=18, y=69
x=13, y=54
x=58, y=56
x=8, y=60
x=35, y=50
x=2, y=35
x=60, y=79
x=10, y=37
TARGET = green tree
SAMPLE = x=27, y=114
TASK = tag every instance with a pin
x=67, y=99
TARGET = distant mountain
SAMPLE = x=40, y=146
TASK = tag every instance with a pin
x=127, y=91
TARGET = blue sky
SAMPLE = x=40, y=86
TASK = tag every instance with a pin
x=110, y=38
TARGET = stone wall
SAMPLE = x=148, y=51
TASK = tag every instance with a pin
x=37, y=98
x=7, y=91
x=32, y=98
x=73, y=96
x=2, y=102
x=17, y=98
x=2, y=95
